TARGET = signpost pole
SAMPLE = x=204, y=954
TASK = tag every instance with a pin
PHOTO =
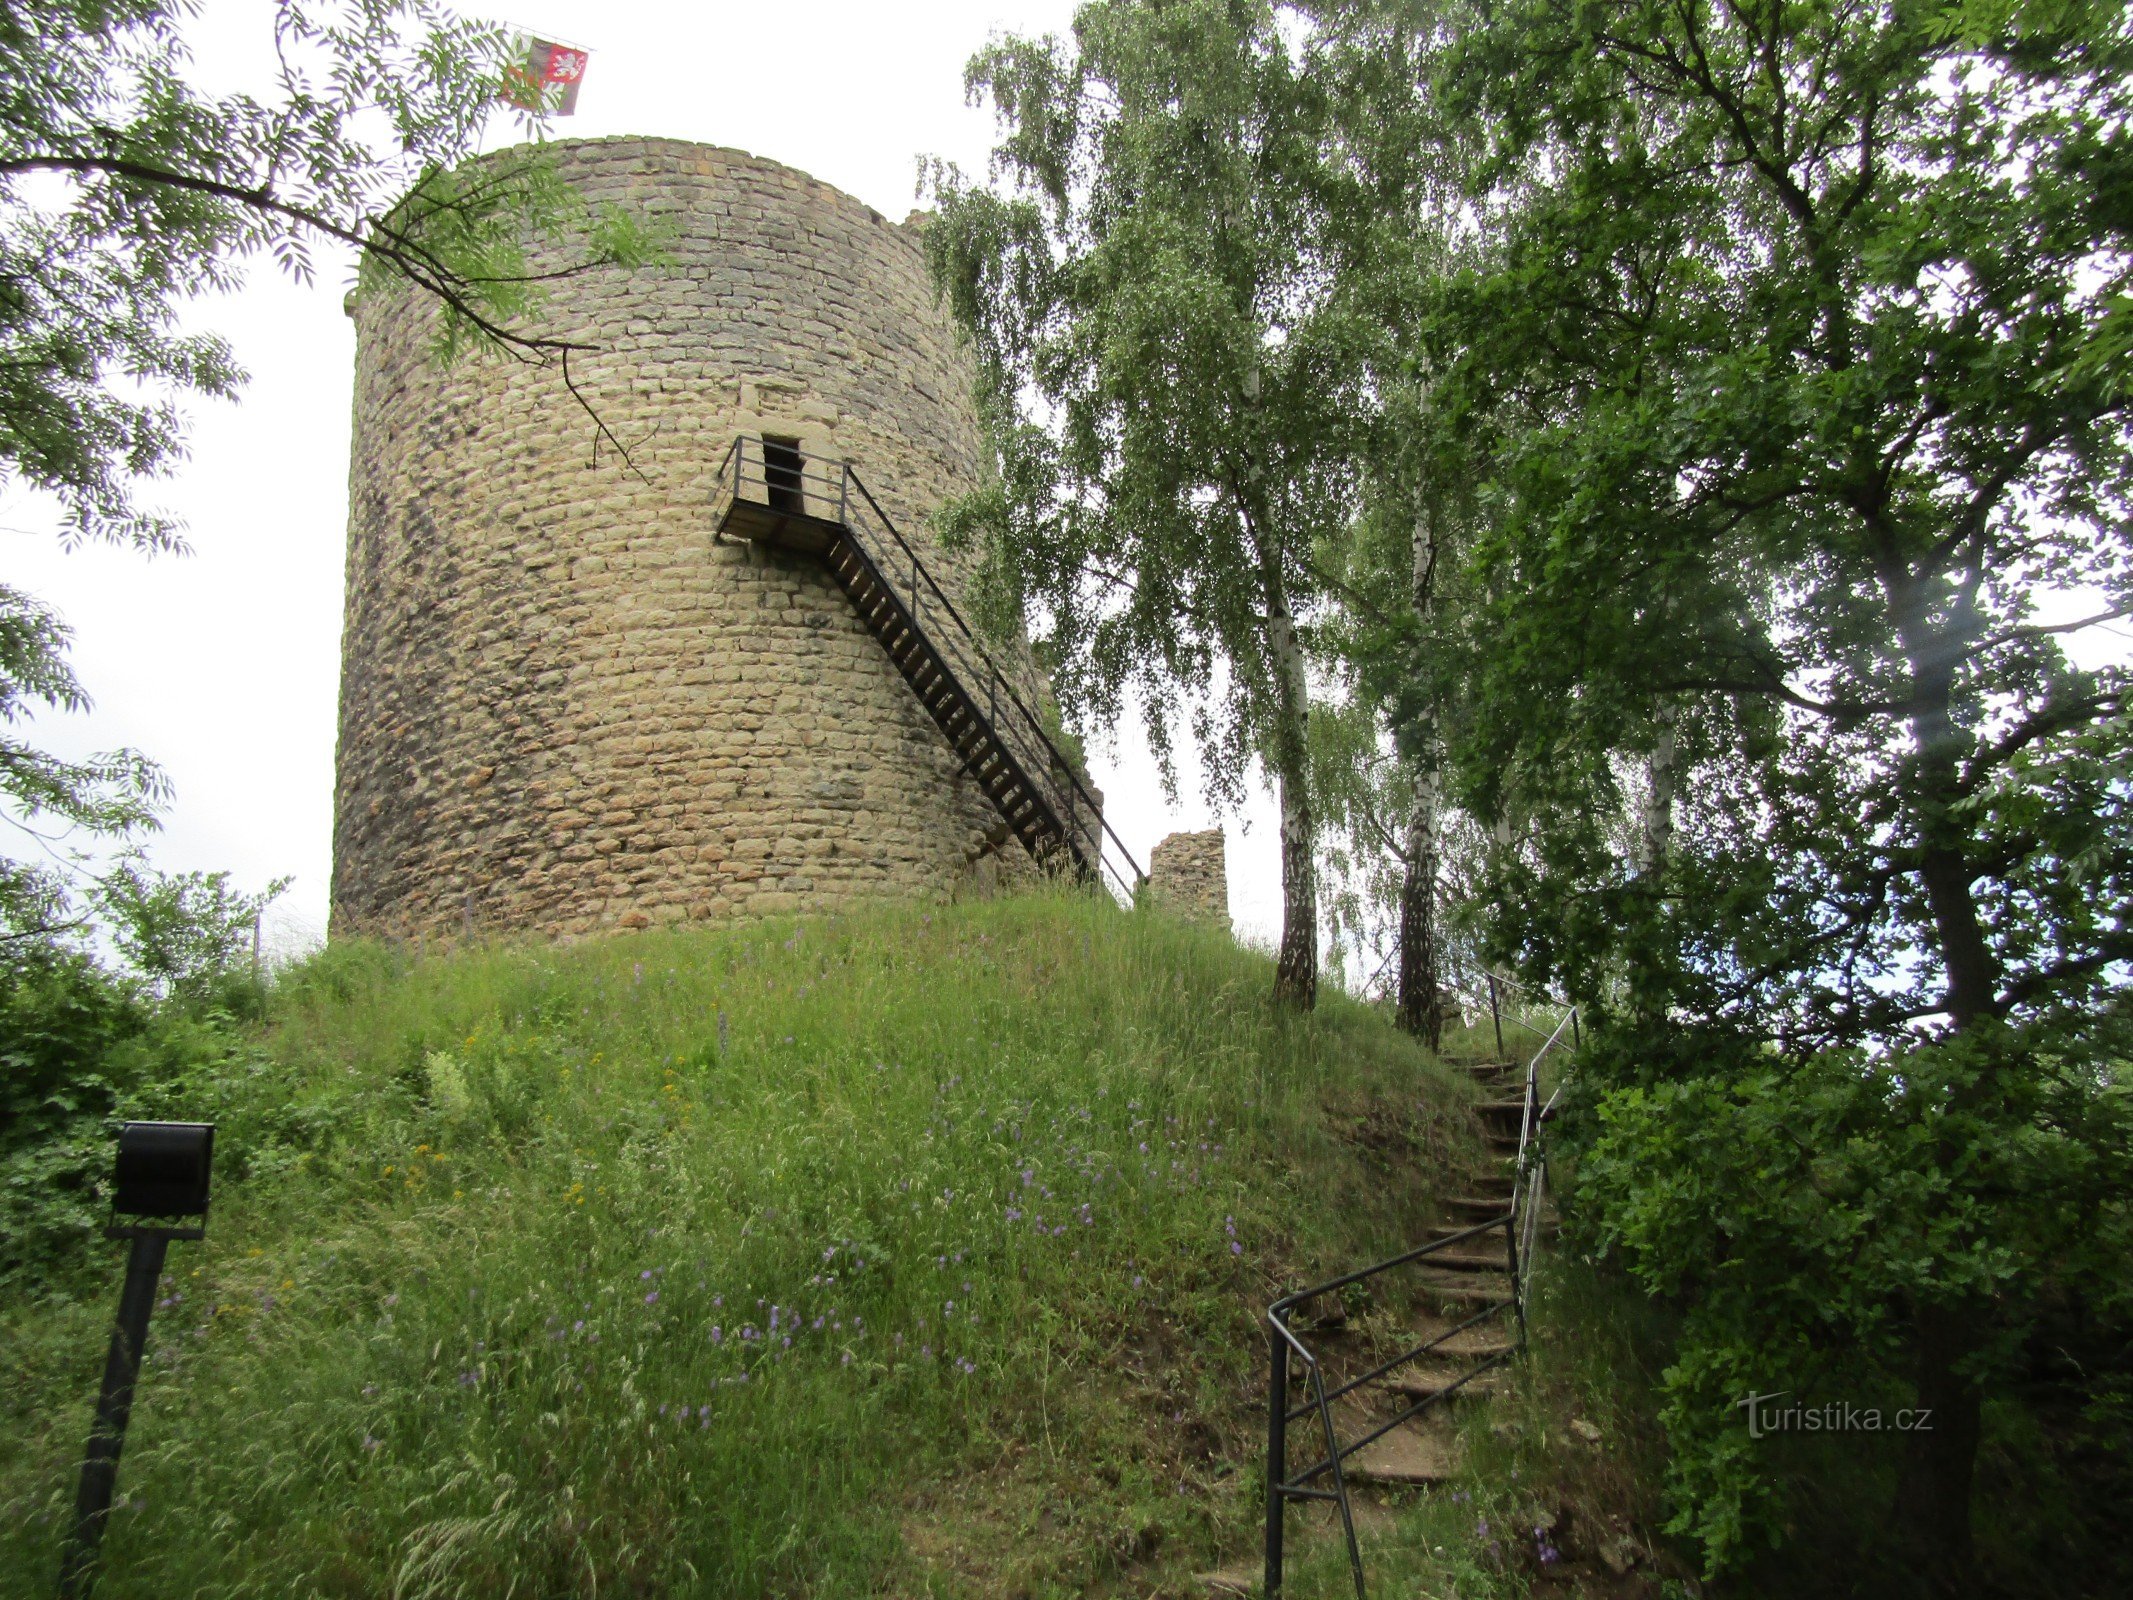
x=114, y=1406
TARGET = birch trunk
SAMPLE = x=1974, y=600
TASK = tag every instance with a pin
x=1421, y=991
x=1421, y=1010
x=1296, y=967
x=1657, y=831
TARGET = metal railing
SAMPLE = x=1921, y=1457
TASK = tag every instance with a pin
x=784, y=481
x=1498, y=986
x=1519, y=1223
x=1477, y=985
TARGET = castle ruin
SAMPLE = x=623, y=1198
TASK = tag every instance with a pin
x=730, y=676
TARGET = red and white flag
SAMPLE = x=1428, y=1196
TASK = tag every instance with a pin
x=546, y=67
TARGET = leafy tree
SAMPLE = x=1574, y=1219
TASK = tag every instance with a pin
x=186, y=934
x=65, y=1025
x=1808, y=316
x=1173, y=394
x=110, y=794
x=124, y=190
x=1391, y=231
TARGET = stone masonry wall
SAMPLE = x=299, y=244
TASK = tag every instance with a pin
x=1188, y=876
x=564, y=706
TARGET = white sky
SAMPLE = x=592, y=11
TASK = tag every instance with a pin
x=224, y=665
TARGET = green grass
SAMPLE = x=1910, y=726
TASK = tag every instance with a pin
x=507, y=1247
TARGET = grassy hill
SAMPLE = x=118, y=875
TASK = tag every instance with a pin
x=913, y=1252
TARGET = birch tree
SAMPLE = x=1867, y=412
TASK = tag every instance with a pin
x=1173, y=396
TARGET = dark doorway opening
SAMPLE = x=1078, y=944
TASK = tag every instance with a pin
x=782, y=467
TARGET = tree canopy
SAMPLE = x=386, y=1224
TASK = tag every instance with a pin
x=1174, y=394
x=126, y=190
x=1795, y=351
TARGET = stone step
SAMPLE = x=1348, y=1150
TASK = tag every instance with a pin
x=1507, y=1110
x=1490, y=1221
x=1478, y=1241
x=1479, y=1206
x=1419, y=1383
x=1470, y=1344
x=1468, y=1296
x=1406, y=1456
x=1467, y=1261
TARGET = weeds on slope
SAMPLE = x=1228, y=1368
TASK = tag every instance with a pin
x=704, y=1262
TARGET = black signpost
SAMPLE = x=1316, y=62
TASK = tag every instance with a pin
x=162, y=1173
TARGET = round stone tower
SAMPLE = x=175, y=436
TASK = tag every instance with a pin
x=565, y=704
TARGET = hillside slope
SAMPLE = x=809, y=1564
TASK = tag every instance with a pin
x=917, y=1252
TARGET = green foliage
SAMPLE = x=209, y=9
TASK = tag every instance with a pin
x=1788, y=360
x=63, y=1020
x=487, y=1299
x=124, y=189
x=1798, y=1210
x=107, y=794
x=87, y=1045
x=1147, y=276
x=1173, y=398
x=186, y=934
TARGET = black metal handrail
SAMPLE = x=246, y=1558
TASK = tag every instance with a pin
x=1472, y=986
x=833, y=492
x=1496, y=983
x=1520, y=1222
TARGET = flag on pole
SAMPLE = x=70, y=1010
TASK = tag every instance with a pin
x=531, y=81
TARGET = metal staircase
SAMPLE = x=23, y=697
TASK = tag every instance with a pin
x=771, y=494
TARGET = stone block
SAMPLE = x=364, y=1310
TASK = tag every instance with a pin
x=1188, y=876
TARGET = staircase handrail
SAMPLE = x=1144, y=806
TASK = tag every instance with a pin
x=1032, y=727
x=1283, y=1486
x=1520, y=1222
x=1029, y=732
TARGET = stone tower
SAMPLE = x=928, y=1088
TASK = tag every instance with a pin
x=567, y=706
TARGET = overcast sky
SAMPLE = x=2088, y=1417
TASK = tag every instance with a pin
x=224, y=665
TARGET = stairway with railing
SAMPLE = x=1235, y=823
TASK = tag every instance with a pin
x=1455, y=1350
x=769, y=493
